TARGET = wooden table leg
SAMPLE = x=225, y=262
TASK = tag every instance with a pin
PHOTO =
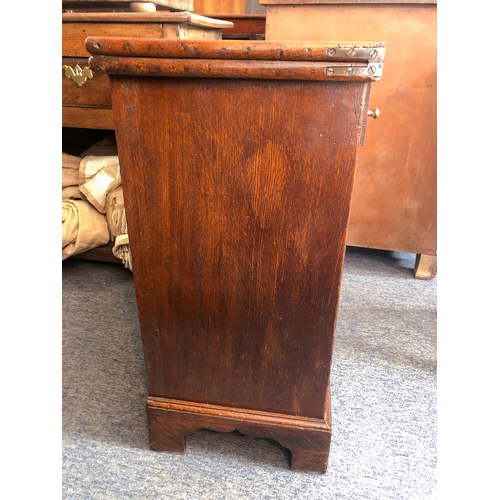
x=425, y=267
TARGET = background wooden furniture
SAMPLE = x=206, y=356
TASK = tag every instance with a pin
x=89, y=105
x=394, y=198
x=238, y=194
x=86, y=105
x=219, y=6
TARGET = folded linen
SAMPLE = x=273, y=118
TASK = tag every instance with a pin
x=70, y=176
x=93, y=178
x=83, y=228
x=99, y=175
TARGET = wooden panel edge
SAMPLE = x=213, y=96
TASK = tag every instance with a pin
x=82, y=117
x=250, y=416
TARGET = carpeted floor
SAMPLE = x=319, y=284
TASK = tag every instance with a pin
x=383, y=398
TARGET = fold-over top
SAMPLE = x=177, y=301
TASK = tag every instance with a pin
x=350, y=61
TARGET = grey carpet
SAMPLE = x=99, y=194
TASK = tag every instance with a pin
x=383, y=398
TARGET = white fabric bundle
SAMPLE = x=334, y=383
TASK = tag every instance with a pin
x=93, y=210
x=83, y=228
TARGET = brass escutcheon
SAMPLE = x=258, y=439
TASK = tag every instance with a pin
x=78, y=75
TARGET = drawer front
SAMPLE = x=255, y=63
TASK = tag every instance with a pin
x=95, y=118
x=74, y=34
x=82, y=88
x=87, y=102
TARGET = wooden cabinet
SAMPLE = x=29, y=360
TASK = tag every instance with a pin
x=219, y=6
x=86, y=98
x=238, y=195
x=394, y=198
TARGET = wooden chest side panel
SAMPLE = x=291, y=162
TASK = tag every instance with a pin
x=237, y=203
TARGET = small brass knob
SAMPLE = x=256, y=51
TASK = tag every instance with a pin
x=375, y=113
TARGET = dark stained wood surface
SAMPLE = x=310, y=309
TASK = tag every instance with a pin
x=237, y=220
x=238, y=191
x=307, y=439
x=330, y=61
x=234, y=49
x=87, y=117
x=245, y=25
x=187, y=68
x=103, y=253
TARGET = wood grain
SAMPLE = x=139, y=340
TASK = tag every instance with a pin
x=94, y=92
x=395, y=193
x=244, y=25
x=308, y=440
x=141, y=17
x=182, y=25
x=249, y=213
x=263, y=70
x=87, y=117
x=74, y=34
x=219, y=6
x=307, y=51
x=238, y=192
